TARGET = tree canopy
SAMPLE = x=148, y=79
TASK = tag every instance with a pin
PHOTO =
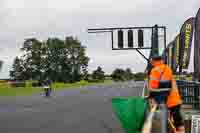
x=1, y=64
x=125, y=75
x=56, y=59
x=98, y=74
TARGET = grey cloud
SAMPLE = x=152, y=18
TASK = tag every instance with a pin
x=48, y=21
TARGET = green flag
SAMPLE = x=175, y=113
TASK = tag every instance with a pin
x=131, y=112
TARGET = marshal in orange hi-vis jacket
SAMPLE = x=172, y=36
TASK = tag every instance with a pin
x=162, y=72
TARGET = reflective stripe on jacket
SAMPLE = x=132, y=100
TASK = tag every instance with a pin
x=164, y=72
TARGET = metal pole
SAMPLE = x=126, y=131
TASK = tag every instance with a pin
x=155, y=47
x=131, y=48
x=112, y=39
x=164, y=118
x=165, y=43
x=142, y=55
x=103, y=31
x=118, y=28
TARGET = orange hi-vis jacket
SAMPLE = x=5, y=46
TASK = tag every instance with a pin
x=159, y=72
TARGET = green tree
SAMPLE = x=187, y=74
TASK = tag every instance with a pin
x=59, y=60
x=56, y=60
x=18, y=72
x=118, y=75
x=1, y=64
x=78, y=60
x=140, y=76
x=32, y=58
x=128, y=74
x=98, y=74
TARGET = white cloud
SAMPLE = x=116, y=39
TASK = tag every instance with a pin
x=67, y=5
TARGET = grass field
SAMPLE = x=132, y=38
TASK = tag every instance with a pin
x=58, y=86
x=7, y=90
x=188, y=78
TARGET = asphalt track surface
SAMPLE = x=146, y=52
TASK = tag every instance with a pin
x=85, y=110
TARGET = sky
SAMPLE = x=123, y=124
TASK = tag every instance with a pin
x=21, y=19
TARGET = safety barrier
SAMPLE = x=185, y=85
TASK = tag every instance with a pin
x=190, y=93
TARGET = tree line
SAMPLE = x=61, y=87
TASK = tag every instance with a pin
x=61, y=61
x=118, y=74
x=55, y=59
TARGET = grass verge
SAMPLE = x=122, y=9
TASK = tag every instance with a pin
x=7, y=90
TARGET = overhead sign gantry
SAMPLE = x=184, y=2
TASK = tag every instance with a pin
x=153, y=34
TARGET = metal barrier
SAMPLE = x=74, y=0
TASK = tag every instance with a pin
x=190, y=93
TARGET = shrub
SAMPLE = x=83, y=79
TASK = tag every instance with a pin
x=36, y=84
x=118, y=75
x=18, y=84
x=98, y=75
x=139, y=76
x=94, y=81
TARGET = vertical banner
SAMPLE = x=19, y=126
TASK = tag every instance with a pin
x=186, y=35
x=197, y=47
x=173, y=56
x=164, y=55
x=169, y=54
x=177, y=51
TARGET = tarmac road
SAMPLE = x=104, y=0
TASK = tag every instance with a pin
x=85, y=110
